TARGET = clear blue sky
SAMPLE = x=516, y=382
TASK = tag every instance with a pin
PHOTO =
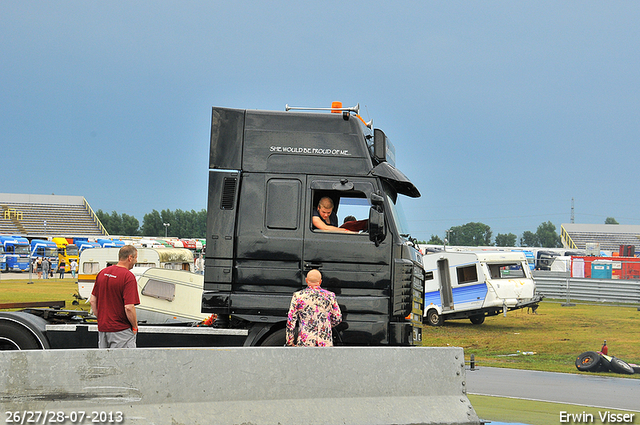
x=501, y=112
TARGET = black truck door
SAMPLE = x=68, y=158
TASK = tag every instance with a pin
x=268, y=244
x=352, y=266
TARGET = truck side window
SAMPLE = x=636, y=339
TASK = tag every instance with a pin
x=283, y=204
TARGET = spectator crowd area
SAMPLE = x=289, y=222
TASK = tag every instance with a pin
x=609, y=237
x=43, y=216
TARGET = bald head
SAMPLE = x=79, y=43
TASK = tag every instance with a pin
x=326, y=202
x=314, y=278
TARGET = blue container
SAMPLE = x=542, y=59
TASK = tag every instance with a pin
x=601, y=270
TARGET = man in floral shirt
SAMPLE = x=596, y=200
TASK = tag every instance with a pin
x=316, y=310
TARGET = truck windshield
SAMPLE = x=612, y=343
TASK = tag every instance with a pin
x=72, y=250
x=396, y=213
x=22, y=249
x=51, y=252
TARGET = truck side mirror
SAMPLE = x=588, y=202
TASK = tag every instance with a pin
x=377, y=231
x=377, y=200
x=379, y=145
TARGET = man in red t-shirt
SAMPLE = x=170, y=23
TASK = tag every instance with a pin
x=113, y=301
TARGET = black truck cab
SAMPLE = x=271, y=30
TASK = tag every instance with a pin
x=267, y=172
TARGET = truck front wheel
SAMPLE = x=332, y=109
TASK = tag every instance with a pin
x=16, y=337
x=275, y=339
x=433, y=318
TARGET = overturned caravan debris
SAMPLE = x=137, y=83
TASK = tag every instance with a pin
x=592, y=361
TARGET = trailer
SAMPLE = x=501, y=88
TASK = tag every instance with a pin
x=474, y=285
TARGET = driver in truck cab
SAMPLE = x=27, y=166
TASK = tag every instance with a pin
x=324, y=218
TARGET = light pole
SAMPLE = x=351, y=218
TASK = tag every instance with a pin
x=448, y=238
x=166, y=226
x=30, y=268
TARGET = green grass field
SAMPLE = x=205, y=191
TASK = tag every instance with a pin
x=499, y=409
x=19, y=290
x=549, y=340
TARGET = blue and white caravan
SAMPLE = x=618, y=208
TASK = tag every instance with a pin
x=474, y=285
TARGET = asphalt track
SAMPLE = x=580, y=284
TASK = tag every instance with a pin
x=585, y=389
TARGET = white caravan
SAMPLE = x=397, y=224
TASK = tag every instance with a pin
x=474, y=285
x=169, y=296
x=95, y=259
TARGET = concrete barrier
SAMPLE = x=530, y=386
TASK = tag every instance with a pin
x=261, y=385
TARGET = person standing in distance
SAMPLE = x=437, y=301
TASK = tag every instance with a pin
x=73, y=267
x=316, y=310
x=46, y=265
x=113, y=301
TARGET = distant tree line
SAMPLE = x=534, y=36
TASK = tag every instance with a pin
x=193, y=224
x=181, y=224
x=479, y=234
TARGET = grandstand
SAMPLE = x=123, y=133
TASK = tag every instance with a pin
x=43, y=216
x=609, y=236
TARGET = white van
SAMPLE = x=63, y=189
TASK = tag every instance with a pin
x=474, y=285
